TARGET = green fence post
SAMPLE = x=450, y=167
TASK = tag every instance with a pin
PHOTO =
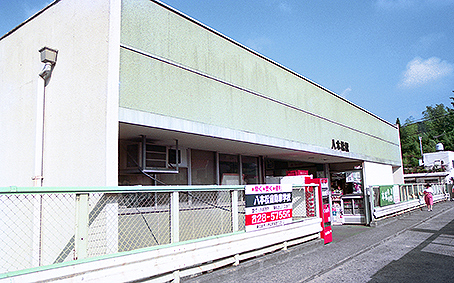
x=235, y=210
x=81, y=233
x=174, y=218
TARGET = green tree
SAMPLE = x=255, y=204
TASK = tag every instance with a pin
x=437, y=126
x=410, y=143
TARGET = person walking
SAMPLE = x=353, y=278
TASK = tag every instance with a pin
x=428, y=196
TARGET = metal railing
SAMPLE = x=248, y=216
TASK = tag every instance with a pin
x=45, y=226
x=391, y=199
x=415, y=191
x=407, y=192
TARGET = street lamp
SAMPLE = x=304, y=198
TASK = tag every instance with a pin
x=48, y=57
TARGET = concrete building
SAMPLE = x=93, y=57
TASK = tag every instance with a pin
x=135, y=81
x=440, y=166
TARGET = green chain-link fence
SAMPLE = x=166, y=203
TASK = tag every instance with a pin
x=42, y=228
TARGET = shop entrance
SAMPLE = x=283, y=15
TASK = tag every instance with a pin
x=347, y=195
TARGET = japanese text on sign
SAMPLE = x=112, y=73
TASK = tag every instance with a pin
x=266, y=189
x=268, y=216
x=268, y=206
x=267, y=199
x=340, y=145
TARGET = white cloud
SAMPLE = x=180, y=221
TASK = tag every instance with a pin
x=285, y=7
x=407, y=4
x=395, y=4
x=259, y=44
x=440, y=2
x=426, y=42
x=420, y=72
x=31, y=9
x=346, y=92
x=282, y=6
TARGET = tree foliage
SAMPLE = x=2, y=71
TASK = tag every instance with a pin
x=437, y=126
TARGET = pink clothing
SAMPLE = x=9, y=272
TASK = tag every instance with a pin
x=428, y=198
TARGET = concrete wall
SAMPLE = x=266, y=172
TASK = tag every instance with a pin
x=377, y=174
x=174, y=66
x=398, y=175
x=81, y=108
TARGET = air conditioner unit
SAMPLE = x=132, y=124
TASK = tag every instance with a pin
x=145, y=156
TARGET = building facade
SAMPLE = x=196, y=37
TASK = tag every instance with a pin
x=141, y=94
x=439, y=167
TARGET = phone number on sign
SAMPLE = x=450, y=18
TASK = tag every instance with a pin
x=270, y=216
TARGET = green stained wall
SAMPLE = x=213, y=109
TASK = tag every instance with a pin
x=218, y=82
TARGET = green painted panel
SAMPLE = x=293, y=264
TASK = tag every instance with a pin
x=238, y=89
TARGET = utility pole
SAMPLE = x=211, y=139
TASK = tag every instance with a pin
x=420, y=147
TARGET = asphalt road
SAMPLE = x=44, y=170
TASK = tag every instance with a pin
x=414, y=247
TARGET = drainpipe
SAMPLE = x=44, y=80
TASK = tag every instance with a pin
x=49, y=58
x=38, y=179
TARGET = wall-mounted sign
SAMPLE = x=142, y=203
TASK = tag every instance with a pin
x=386, y=195
x=268, y=206
x=340, y=145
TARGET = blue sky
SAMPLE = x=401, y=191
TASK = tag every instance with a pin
x=390, y=57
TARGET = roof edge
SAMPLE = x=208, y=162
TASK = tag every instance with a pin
x=29, y=19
